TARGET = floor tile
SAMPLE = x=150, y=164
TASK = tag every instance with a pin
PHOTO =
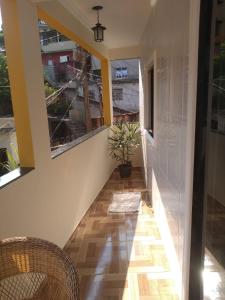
x=121, y=256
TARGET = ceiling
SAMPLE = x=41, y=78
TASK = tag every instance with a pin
x=125, y=20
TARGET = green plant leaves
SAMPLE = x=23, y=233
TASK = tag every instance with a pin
x=11, y=164
x=124, y=140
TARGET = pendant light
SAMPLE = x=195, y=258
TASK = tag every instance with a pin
x=98, y=28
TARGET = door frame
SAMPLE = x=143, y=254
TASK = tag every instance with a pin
x=197, y=250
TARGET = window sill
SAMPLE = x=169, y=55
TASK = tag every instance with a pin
x=13, y=175
x=62, y=149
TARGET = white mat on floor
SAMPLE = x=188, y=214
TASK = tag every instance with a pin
x=125, y=203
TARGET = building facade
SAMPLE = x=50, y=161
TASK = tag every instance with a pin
x=125, y=87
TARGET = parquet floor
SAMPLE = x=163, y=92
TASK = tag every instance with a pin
x=214, y=269
x=214, y=278
x=121, y=256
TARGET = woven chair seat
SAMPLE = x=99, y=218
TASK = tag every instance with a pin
x=32, y=268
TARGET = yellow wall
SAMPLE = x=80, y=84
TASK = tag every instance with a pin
x=17, y=77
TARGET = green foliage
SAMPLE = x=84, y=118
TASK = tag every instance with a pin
x=59, y=107
x=2, y=43
x=5, y=96
x=124, y=141
x=219, y=62
x=11, y=164
x=49, y=90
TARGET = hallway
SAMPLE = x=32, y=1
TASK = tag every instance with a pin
x=121, y=256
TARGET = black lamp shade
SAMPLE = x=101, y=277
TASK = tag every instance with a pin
x=99, y=32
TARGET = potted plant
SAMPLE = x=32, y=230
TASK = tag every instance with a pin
x=123, y=142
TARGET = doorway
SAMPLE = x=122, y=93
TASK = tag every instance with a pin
x=207, y=271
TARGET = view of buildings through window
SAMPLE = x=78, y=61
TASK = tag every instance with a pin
x=9, y=159
x=125, y=90
x=73, y=88
x=73, y=94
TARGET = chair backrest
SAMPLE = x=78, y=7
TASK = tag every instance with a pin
x=31, y=268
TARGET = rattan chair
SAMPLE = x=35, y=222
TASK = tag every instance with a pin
x=32, y=268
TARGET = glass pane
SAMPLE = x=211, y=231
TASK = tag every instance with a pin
x=125, y=90
x=214, y=271
x=73, y=88
x=9, y=159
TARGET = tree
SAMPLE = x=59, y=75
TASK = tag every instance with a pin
x=5, y=96
x=219, y=61
x=2, y=43
x=49, y=90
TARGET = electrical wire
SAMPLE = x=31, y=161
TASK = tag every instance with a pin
x=62, y=119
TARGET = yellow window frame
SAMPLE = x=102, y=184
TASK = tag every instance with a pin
x=54, y=23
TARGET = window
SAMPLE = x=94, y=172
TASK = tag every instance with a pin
x=9, y=159
x=150, y=125
x=48, y=35
x=117, y=94
x=121, y=73
x=92, y=95
x=50, y=62
x=73, y=92
x=64, y=59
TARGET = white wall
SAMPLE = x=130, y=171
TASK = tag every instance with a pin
x=50, y=201
x=171, y=41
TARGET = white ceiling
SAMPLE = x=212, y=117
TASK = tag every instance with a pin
x=125, y=20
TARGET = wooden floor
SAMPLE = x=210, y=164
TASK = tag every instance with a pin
x=121, y=256
x=214, y=278
x=214, y=269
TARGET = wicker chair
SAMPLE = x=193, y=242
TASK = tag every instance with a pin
x=31, y=268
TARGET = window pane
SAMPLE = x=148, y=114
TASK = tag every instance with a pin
x=121, y=72
x=117, y=94
x=9, y=159
x=73, y=88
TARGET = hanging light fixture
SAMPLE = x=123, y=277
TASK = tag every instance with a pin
x=98, y=28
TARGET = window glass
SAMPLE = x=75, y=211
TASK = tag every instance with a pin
x=73, y=88
x=9, y=159
x=64, y=58
x=50, y=62
x=117, y=94
x=121, y=73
